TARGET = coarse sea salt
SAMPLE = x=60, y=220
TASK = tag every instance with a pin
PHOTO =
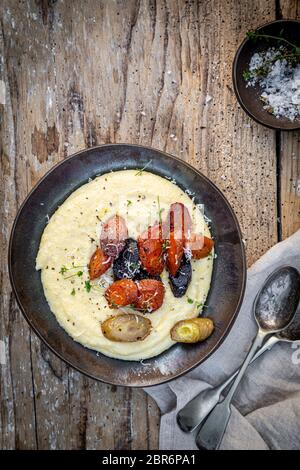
x=280, y=85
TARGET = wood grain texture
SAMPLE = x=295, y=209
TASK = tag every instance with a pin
x=289, y=156
x=78, y=74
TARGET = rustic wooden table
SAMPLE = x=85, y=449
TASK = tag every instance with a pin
x=79, y=73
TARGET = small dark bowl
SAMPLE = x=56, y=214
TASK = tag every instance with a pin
x=249, y=97
x=229, y=274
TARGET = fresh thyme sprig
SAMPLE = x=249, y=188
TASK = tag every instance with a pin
x=254, y=35
x=140, y=172
x=289, y=52
x=64, y=270
x=88, y=286
x=165, y=247
x=79, y=274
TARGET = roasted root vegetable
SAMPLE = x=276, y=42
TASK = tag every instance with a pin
x=126, y=328
x=150, y=295
x=178, y=221
x=180, y=282
x=153, y=232
x=121, y=293
x=174, y=253
x=199, y=245
x=113, y=235
x=127, y=264
x=192, y=330
x=143, y=274
x=150, y=245
x=99, y=263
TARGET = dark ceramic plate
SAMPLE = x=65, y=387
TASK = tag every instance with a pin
x=248, y=97
x=229, y=273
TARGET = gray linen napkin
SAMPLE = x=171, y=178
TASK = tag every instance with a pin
x=266, y=407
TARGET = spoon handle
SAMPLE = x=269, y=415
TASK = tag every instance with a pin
x=196, y=410
x=211, y=434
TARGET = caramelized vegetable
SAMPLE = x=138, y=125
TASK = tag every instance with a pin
x=192, y=331
x=121, y=293
x=174, y=254
x=113, y=235
x=180, y=282
x=150, y=245
x=178, y=221
x=150, y=295
x=143, y=274
x=126, y=327
x=127, y=264
x=199, y=245
x=99, y=263
x=153, y=232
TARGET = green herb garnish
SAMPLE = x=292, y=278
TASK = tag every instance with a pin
x=79, y=274
x=290, y=52
x=129, y=202
x=247, y=75
x=64, y=270
x=192, y=301
x=73, y=292
x=254, y=35
x=140, y=172
x=133, y=265
x=166, y=245
x=87, y=286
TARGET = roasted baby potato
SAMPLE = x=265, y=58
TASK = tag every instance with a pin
x=192, y=330
x=126, y=328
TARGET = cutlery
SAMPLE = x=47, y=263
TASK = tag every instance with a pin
x=197, y=409
x=274, y=308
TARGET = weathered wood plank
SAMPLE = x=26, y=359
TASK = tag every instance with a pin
x=16, y=394
x=192, y=111
x=290, y=156
x=290, y=183
x=84, y=73
x=71, y=411
x=289, y=9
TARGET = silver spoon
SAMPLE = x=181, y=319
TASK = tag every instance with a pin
x=196, y=410
x=274, y=308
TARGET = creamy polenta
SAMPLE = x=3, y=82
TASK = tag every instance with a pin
x=71, y=237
